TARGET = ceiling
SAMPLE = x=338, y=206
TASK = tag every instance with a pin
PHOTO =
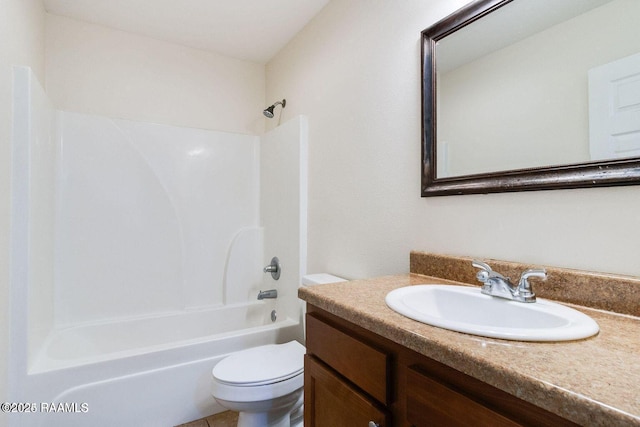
x=252, y=30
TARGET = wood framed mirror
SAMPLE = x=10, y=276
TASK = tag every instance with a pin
x=510, y=103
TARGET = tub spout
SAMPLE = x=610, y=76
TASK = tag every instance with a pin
x=272, y=293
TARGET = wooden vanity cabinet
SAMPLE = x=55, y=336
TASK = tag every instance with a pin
x=354, y=377
x=336, y=402
x=346, y=380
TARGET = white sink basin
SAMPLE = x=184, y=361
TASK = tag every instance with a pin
x=466, y=309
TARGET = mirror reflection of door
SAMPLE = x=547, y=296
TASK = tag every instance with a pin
x=614, y=109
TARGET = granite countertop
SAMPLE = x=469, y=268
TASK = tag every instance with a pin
x=593, y=382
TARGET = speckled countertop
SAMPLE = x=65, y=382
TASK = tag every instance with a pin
x=594, y=382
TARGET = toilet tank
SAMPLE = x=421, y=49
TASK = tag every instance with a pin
x=312, y=280
x=320, y=278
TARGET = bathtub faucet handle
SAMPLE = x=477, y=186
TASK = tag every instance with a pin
x=273, y=268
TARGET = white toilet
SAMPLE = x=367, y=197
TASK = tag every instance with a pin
x=264, y=384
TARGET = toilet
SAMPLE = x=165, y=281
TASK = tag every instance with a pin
x=262, y=383
x=265, y=384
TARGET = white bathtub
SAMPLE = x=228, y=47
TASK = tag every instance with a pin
x=152, y=371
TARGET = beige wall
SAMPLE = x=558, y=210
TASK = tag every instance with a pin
x=21, y=43
x=355, y=71
x=98, y=70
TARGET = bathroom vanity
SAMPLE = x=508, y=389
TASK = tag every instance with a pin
x=360, y=377
x=367, y=365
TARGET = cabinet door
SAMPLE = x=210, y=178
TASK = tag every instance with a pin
x=453, y=399
x=432, y=404
x=329, y=401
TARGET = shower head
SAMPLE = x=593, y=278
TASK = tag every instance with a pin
x=268, y=112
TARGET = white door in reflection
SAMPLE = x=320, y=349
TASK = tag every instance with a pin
x=614, y=109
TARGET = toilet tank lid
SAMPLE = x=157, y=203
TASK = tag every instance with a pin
x=320, y=278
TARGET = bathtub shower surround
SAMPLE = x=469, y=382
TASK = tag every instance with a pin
x=137, y=254
x=34, y=162
x=147, y=214
x=283, y=208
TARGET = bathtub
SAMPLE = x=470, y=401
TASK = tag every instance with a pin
x=151, y=371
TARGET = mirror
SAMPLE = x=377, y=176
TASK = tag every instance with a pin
x=531, y=95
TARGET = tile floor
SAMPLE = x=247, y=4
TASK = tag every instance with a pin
x=224, y=419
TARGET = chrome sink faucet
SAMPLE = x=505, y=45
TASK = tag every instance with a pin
x=495, y=284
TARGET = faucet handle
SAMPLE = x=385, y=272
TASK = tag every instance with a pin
x=538, y=272
x=533, y=272
x=485, y=270
x=524, y=287
x=273, y=268
x=481, y=265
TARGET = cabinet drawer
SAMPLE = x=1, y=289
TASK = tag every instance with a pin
x=332, y=402
x=365, y=366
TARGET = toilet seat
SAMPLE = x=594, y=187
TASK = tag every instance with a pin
x=262, y=365
x=260, y=373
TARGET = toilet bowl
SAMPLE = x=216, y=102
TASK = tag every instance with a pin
x=264, y=384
